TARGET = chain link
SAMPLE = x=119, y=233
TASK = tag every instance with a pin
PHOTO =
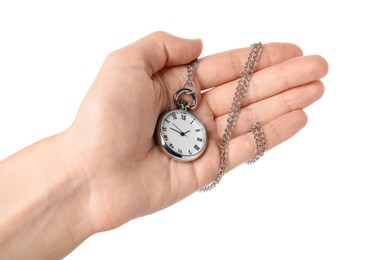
x=188, y=88
x=260, y=142
x=241, y=90
x=190, y=70
x=189, y=82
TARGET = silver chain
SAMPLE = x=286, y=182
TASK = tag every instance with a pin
x=181, y=103
x=241, y=90
x=190, y=70
x=260, y=142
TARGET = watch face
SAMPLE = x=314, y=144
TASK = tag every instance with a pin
x=181, y=135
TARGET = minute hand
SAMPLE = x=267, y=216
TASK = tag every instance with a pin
x=178, y=128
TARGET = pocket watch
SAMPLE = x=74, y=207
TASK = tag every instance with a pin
x=179, y=133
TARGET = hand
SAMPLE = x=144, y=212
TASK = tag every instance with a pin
x=111, y=142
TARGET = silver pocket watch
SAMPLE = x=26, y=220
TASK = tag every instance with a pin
x=180, y=134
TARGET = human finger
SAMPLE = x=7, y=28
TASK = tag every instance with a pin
x=161, y=49
x=243, y=147
x=270, y=108
x=226, y=66
x=268, y=82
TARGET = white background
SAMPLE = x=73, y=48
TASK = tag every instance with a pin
x=303, y=200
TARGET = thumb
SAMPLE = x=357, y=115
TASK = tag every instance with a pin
x=161, y=49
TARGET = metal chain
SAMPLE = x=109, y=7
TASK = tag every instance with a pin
x=241, y=90
x=190, y=70
x=260, y=142
x=182, y=103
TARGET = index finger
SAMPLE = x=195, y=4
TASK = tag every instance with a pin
x=226, y=66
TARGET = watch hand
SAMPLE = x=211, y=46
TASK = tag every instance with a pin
x=176, y=131
x=178, y=128
x=181, y=132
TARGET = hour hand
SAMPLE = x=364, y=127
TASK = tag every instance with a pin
x=186, y=132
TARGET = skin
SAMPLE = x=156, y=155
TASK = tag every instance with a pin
x=106, y=168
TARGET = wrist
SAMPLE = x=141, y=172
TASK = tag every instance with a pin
x=42, y=202
x=73, y=167
x=100, y=178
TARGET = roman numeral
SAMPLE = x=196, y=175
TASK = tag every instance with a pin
x=198, y=130
x=193, y=120
x=166, y=120
x=196, y=147
x=183, y=117
x=174, y=116
x=180, y=151
x=171, y=145
x=199, y=139
x=164, y=128
x=165, y=137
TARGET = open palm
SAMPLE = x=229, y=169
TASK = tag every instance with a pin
x=128, y=175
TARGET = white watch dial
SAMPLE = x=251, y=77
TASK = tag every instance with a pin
x=182, y=135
